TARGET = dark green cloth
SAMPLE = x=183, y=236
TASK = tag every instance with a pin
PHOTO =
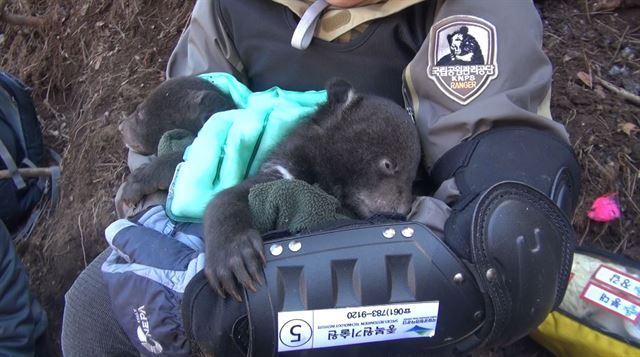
x=291, y=204
x=174, y=140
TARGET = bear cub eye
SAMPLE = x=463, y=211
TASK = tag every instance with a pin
x=387, y=166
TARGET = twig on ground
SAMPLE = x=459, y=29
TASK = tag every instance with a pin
x=612, y=5
x=622, y=246
x=631, y=172
x=572, y=115
x=633, y=204
x=28, y=172
x=607, y=26
x=603, y=170
x=588, y=64
x=20, y=20
x=555, y=36
x=586, y=231
x=599, y=236
x=84, y=252
x=619, y=46
x=589, y=13
x=619, y=91
x=586, y=6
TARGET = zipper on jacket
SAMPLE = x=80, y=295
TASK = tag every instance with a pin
x=257, y=146
x=408, y=93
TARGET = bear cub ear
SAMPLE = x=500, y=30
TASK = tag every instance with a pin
x=340, y=95
x=196, y=97
x=339, y=91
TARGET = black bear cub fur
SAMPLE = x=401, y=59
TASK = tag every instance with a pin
x=362, y=149
x=178, y=103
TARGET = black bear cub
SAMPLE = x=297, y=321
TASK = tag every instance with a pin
x=178, y=103
x=362, y=149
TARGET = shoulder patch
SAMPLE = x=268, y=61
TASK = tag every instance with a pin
x=462, y=56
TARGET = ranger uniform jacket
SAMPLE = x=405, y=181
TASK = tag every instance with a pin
x=460, y=67
x=497, y=73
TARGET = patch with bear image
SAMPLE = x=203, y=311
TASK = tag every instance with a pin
x=462, y=57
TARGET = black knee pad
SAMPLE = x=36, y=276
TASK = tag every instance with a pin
x=522, y=248
x=532, y=157
x=517, y=188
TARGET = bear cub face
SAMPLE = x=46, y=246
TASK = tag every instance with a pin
x=365, y=150
x=179, y=103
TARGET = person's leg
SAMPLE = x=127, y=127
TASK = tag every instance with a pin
x=89, y=327
x=22, y=320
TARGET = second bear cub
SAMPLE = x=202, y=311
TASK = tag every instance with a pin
x=362, y=149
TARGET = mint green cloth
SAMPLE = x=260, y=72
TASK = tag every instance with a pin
x=291, y=204
x=232, y=144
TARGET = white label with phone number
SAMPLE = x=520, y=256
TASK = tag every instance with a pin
x=309, y=329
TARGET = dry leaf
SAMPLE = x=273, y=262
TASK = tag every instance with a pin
x=586, y=79
x=97, y=63
x=629, y=128
x=600, y=92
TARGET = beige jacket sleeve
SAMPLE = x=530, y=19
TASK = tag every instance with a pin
x=204, y=46
x=482, y=66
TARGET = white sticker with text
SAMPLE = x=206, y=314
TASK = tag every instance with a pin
x=309, y=329
x=611, y=302
x=618, y=280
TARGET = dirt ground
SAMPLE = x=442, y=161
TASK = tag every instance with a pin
x=94, y=60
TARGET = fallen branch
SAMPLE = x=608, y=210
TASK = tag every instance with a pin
x=609, y=5
x=19, y=20
x=28, y=172
x=619, y=91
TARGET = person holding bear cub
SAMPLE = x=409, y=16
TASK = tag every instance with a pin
x=501, y=174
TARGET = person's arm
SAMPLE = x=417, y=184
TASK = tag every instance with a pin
x=479, y=89
x=204, y=46
x=22, y=320
x=517, y=93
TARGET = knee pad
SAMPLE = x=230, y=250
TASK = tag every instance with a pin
x=522, y=249
x=517, y=188
x=532, y=157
